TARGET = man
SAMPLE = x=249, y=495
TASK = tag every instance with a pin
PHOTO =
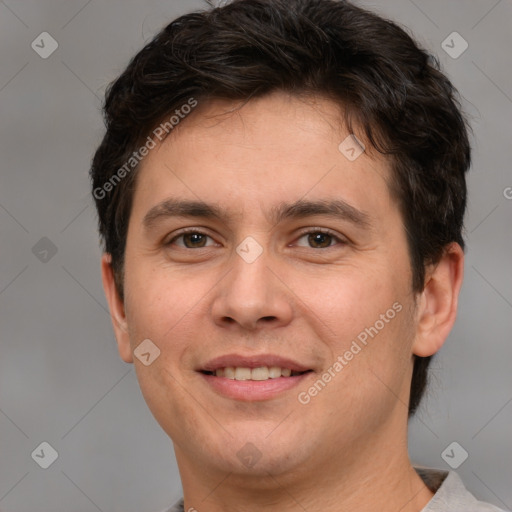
x=281, y=191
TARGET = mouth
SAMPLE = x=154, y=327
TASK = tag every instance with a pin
x=256, y=374
x=252, y=378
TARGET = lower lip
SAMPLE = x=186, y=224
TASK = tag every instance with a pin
x=252, y=390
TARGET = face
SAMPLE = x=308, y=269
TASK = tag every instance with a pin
x=271, y=272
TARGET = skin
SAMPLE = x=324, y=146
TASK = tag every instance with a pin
x=347, y=448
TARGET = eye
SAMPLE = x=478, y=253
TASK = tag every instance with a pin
x=191, y=240
x=318, y=239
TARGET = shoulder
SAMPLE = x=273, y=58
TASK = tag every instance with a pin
x=450, y=493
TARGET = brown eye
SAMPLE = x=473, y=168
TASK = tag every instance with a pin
x=193, y=240
x=319, y=240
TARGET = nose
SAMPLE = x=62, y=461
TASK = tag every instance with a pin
x=252, y=296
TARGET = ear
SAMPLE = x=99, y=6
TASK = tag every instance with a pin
x=437, y=305
x=116, y=306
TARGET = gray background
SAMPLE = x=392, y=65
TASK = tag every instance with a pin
x=61, y=380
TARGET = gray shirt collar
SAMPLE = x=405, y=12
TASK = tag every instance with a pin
x=450, y=494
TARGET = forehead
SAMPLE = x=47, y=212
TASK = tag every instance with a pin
x=272, y=149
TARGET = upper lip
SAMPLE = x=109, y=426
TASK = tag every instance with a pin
x=252, y=361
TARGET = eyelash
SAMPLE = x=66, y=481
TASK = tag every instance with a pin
x=309, y=231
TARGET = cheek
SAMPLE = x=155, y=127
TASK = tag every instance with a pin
x=362, y=316
x=349, y=299
x=159, y=300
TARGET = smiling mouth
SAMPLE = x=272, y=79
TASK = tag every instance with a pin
x=256, y=374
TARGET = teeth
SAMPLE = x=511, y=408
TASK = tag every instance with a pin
x=242, y=374
x=260, y=373
x=274, y=372
x=229, y=372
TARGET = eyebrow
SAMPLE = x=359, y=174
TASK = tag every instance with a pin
x=181, y=208
x=337, y=208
